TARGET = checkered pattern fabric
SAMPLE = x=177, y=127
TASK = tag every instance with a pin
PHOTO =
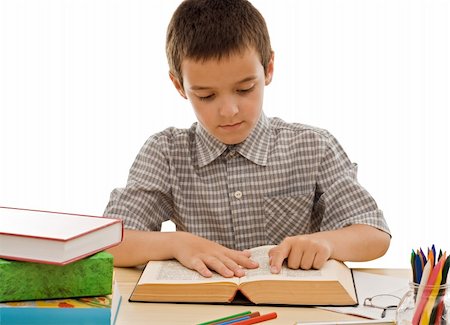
x=284, y=179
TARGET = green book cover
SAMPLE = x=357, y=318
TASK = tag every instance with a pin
x=91, y=276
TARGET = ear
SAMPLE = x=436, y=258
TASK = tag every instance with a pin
x=269, y=73
x=179, y=87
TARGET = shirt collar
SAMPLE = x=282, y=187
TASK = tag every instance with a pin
x=255, y=148
x=208, y=147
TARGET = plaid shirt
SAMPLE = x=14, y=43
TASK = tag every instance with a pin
x=283, y=180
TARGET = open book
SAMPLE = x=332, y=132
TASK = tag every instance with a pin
x=169, y=281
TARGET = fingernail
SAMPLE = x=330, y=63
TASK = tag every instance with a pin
x=207, y=274
x=273, y=269
x=239, y=273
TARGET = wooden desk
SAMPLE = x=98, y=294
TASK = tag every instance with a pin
x=173, y=314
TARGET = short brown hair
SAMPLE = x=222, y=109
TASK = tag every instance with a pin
x=212, y=29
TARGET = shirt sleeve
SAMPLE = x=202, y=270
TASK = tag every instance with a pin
x=146, y=201
x=340, y=200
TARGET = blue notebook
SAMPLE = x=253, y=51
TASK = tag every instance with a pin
x=101, y=310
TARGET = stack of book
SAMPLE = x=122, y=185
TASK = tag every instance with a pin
x=54, y=268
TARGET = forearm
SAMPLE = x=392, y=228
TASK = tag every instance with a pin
x=138, y=247
x=356, y=243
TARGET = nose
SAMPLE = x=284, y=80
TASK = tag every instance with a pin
x=228, y=107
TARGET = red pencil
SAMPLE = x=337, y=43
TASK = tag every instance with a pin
x=258, y=319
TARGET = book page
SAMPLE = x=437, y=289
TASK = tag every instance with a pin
x=260, y=255
x=173, y=272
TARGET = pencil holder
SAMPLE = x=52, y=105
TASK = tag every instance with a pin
x=424, y=305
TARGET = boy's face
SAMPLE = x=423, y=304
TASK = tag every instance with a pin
x=226, y=94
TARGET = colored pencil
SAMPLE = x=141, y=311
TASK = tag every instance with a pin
x=237, y=319
x=413, y=258
x=423, y=281
x=432, y=296
x=225, y=318
x=418, y=267
x=423, y=300
x=258, y=319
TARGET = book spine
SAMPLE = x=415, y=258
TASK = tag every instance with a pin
x=91, y=276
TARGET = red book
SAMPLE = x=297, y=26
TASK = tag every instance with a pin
x=53, y=237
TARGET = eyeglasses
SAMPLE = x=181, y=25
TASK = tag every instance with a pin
x=383, y=301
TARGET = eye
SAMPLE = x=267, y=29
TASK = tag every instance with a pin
x=246, y=90
x=206, y=98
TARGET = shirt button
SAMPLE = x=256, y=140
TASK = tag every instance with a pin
x=238, y=194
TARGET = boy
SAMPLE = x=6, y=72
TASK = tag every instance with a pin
x=237, y=179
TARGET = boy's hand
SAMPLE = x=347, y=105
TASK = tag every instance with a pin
x=204, y=256
x=303, y=251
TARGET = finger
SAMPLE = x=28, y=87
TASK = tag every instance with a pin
x=238, y=261
x=218, y=265
x=201, y=268
x=308, y=259
x=245, y=261
x=296, y=254
x=277, y=256
x=321, y=257
x=295, y=257
x=233, y=266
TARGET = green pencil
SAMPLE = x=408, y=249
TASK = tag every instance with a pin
x=225, y=318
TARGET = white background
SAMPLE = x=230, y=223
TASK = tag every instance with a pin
x=84, y=83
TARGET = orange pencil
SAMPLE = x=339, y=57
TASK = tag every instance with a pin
x=258, y=319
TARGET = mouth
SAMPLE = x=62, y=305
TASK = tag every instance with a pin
x=231, y=126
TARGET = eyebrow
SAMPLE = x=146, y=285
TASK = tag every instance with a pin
x=250, y=78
